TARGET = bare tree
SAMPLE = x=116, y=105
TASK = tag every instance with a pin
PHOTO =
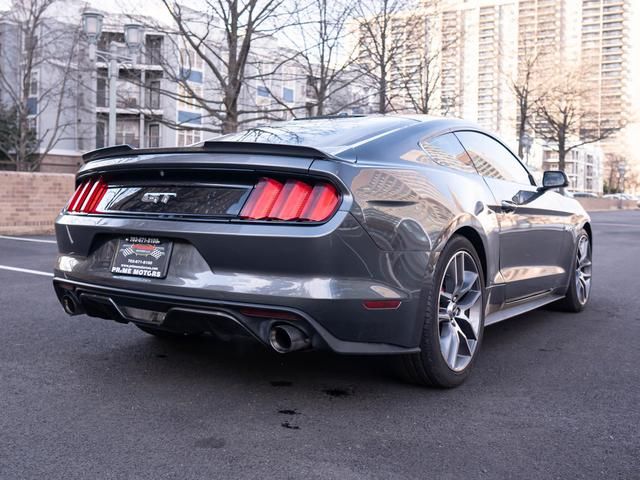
x=221, y=38
x=384, y=33
x=564, y=119
x=37, y=82
x=422, y=82
x=526, y=88
x=320, y=33
x=616, y=165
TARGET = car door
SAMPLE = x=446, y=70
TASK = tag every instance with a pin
x=534, y=236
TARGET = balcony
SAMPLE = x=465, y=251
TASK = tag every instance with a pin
x=130, y=139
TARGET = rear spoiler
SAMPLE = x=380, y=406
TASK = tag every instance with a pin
x=249, y=148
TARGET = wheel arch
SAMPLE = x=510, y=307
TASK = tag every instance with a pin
x=587, y=227
x=476, y=240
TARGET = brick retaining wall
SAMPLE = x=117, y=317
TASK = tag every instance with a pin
x=30, y=202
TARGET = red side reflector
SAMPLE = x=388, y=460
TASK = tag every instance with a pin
x=291, y=201
x=381, y=304
x=321, y=204
x=261, y=199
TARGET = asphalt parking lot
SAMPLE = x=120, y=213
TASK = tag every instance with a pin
x=553, y=395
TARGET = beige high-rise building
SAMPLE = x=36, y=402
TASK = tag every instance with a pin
x=610, y=45
x=485, y=43
x=476, y=70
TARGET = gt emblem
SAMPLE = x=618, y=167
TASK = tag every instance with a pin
x=158, y=197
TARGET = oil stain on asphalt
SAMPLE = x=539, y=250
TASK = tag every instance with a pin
x=289, y=426
x=338, y=392
x=286, y=411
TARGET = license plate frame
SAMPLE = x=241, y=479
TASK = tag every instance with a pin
x=142, y=256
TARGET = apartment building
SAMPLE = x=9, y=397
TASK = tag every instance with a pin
x=610, y=46
x=584, y=167
x=157, y=87
x=476, y=72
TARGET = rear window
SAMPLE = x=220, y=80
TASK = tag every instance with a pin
x=327, y=134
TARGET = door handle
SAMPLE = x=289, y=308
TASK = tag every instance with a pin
x=508, y=206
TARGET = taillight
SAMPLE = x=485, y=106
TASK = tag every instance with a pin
x=293, y=200
x=87, y=196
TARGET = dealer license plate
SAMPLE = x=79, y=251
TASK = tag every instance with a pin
x=142, y=257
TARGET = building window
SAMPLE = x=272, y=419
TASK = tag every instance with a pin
x=153, y=140
x=101, y=93
x=32, y=124
x=101, y=132
x=287, y=94
x=190, y=60
x=153, y=94
x=128, y=132
x=34, y=83
x=187, y=97
x=188, y=137
x=263, y=91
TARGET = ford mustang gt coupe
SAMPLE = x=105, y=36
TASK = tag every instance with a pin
x=385, y=235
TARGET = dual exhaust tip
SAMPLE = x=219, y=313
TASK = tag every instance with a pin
x=283, y=338
x=287, y=338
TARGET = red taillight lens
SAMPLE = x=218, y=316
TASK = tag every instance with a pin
x=95, y=195
x=322, y=203
x=87, y=196
x=295, y=200
x=262, y=198
x=291, y=200
x=79, y=197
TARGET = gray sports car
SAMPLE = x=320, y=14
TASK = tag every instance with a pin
x=386, y=235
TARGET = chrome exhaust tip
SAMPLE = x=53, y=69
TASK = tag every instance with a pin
x=70, y=304
x=287, y=338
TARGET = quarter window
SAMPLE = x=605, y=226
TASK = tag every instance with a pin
x=492, y=159
x=447, y=151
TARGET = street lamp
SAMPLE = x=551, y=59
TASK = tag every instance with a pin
x=92, y=25
x=133, y=35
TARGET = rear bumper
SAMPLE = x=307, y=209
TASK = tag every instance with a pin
x=198, y=315
x=320, y=274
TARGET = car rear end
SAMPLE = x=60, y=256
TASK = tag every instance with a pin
x=231, y=242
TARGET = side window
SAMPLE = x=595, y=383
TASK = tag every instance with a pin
x=492, y=159
x=447, y=151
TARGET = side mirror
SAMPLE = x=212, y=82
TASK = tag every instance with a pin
x=553, y=179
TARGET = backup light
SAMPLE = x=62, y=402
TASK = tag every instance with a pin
x=293, y=200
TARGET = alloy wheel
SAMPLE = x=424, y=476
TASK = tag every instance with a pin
x=460, y=311
x=583, y=270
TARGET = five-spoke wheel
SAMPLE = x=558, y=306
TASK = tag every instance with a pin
x=453, y=319
x=583, y=269
x=460, y=306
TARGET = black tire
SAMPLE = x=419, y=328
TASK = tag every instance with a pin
x=165, y=334
x=571, y=302
x=429, y=367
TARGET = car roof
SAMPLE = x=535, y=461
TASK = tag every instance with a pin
x=333, y=134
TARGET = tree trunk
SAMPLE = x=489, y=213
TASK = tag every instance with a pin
x=382, y=94
x=521, y=131
x=561, y=151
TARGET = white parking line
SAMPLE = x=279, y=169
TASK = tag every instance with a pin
x=25, y=270
x=600, y=224
x=22, y=239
